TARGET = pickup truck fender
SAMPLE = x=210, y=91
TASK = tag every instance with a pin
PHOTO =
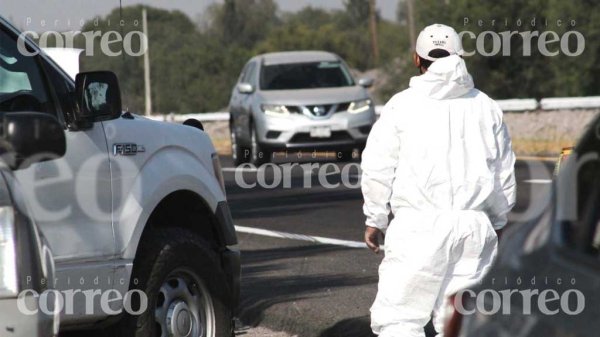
x=179, y=170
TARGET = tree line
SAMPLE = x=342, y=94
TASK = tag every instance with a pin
x=196, y=61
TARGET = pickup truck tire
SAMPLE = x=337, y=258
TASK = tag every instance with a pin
x=185, y=286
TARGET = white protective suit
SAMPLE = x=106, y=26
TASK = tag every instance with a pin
x=440, y=159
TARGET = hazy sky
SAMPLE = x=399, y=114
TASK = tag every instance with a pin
x=29, y=14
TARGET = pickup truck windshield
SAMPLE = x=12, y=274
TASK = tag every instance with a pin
x=311, y=75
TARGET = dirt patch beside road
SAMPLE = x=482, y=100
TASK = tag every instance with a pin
x=545, y=133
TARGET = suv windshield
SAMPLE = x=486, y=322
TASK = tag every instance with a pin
x=305, y=76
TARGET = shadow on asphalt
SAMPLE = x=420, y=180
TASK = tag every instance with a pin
x=351, y=327
x=361, y=327
x=271, y=255
x=262, y=289
x=273, y=204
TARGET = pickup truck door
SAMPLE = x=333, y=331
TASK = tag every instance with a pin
x=69, y=198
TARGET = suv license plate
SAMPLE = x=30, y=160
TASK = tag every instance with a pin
x=320, y=132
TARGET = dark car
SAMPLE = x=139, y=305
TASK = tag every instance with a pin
x=546, y=281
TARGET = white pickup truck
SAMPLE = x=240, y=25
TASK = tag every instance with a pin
x=135, y=211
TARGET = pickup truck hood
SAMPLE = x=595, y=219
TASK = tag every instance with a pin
x=154, y=136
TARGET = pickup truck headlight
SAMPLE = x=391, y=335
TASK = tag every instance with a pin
x=359, y=106
x=275, y=110
x=218, y=171
x=8, y=258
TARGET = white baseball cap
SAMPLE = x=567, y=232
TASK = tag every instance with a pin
x=438, y=36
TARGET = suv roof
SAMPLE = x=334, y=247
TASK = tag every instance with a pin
x=298, y=57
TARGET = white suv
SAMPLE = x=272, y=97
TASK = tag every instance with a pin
x=298, y=101
x=135, y=212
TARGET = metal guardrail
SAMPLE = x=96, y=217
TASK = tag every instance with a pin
x=507, y=105
x=526, y=104
x=558, y=103
x=203, y=117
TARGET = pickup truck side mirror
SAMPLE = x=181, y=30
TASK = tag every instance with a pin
x=30, y=137
x=98, y=97
x=365, y=82
x=245, y=88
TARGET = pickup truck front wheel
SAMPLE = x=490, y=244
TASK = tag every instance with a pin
x=185, y=287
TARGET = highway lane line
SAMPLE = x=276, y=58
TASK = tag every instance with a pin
x=243, y=169
x=535, y=158
x=301, y=237
x=538, y=181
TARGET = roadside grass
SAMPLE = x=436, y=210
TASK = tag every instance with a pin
x=540, y=147
x=521, y=146
x=223, y=146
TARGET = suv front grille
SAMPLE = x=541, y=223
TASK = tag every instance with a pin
x=304, y=137
x=342, y=107
x=319, y=110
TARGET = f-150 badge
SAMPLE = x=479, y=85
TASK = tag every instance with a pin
x=127, y=149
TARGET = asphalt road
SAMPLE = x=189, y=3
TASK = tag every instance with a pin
x=310, y=288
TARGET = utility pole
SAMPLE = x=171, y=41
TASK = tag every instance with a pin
x=148, y=93
x=373, y=29
x=411, y=23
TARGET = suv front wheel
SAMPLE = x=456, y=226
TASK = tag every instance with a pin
x=239, y=154
x=259, y=155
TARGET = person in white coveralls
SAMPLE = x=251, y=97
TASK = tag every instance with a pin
x=440, y=159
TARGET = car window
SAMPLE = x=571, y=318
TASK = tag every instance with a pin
x=22, y=85
x=305, y=76
x=253, y=74
x=64, y=89
x=249, y=73
x=243, y=73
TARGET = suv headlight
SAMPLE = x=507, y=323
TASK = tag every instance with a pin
x=359, y=106
x=8, y=258
x=275, y=110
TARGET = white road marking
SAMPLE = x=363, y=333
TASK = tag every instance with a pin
x=235, y=169
x=301, y=237
x=538, y=181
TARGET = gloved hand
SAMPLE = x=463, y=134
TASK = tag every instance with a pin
x=372, y=235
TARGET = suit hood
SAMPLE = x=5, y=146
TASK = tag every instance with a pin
x=446, y=78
